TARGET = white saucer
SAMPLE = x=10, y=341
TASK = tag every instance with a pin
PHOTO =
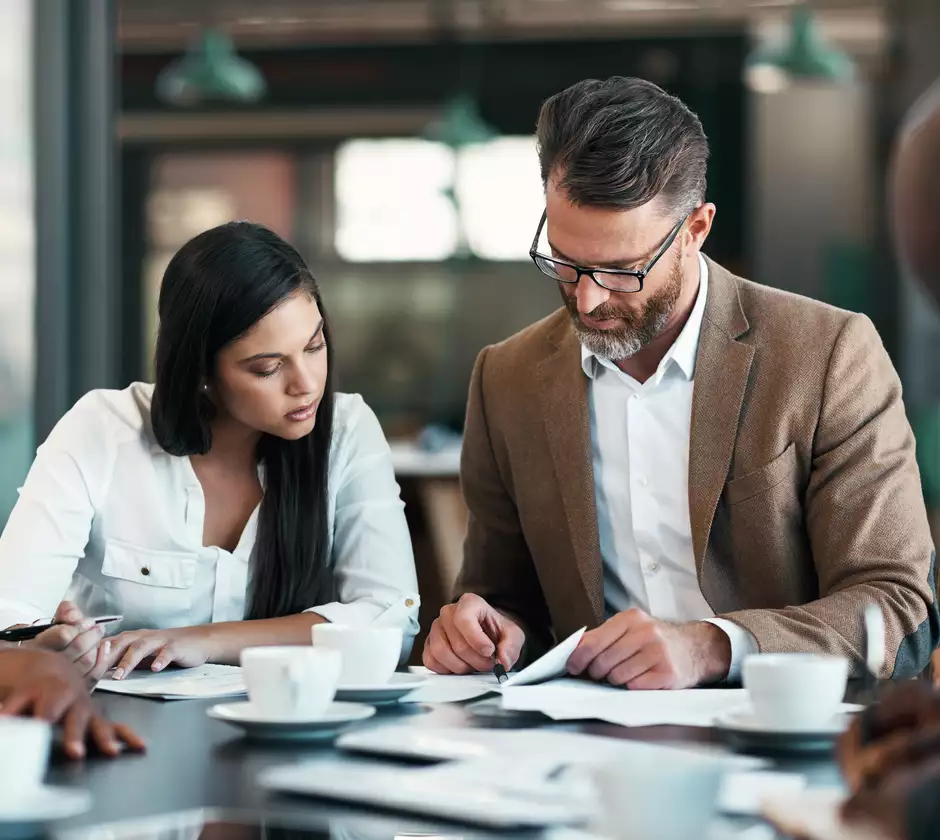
x=381, y=694
x=45, y=804
x=744, y=730
x=321, y=728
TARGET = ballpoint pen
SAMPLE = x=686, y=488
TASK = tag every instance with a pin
x=493, y=632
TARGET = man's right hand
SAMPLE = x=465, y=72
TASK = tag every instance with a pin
x=469, y=635
x=74, y=636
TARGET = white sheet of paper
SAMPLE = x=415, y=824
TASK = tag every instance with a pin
x=449, y=688
x=579, y=700
x=185, y=684
x=444, y=688
x=539, y=751
x=743, y=794
x=552, y=664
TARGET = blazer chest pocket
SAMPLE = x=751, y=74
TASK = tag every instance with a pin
x=159, y=569
x=770, y=475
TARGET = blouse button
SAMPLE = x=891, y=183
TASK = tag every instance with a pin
x=409, y=602
x=145, y=571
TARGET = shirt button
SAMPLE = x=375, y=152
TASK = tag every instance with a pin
x=643, y=481
x=653, y=568
x=409, y=602
x=145, y=571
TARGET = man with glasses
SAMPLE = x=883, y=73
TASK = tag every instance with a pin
x=694, y=466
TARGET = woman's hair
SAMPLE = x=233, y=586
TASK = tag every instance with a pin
x=215, y=289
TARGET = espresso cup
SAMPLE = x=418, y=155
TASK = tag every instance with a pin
x=670, y=798
x=25, y=743
x=370, y=653
x=795, y=691
x=290, y=682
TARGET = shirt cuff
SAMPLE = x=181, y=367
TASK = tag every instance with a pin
x=402, y=613
x=743, y=644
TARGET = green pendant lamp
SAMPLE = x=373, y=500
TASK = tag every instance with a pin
x=460, y=125
x=210, y=70
x=804, y=57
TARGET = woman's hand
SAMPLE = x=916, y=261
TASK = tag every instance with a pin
x=186, y=647
x=45, y=685
x=76, y=637
x=891, y=733
x=901, y=802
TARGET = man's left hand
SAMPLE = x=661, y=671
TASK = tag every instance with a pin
x=639, y=652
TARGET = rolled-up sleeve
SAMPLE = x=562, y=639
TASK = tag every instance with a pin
x=373, y=561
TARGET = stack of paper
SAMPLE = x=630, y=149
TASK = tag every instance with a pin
x=538, y=688
x=186, y=684
x=578, y=700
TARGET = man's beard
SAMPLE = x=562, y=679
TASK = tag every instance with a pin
x=636, y=328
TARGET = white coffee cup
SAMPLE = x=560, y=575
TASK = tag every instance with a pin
x=671, y=797
x=370, y=653
x=290, y=682
x=25, y=744
x=795, y=691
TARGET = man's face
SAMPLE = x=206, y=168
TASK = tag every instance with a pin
x=616, y=325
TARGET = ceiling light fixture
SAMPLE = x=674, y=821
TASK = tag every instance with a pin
x=804, y=56
x=210, y=70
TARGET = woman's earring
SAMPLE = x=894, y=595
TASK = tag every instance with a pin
x=205, y=387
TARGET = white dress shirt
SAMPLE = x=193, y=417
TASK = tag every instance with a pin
x=109, y=519
x=640, y=450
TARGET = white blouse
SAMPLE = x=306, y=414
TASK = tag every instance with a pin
x=108, y=519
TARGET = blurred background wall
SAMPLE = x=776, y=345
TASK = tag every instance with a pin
x=392, y=142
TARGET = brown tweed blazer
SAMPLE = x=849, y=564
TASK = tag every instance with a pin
x=804, y=494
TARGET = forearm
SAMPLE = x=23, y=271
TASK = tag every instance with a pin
x=830, y=625
x=226, y=640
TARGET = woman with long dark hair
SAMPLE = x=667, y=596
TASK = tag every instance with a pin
x=235, y=502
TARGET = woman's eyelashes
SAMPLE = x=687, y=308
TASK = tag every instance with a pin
x=264, y=374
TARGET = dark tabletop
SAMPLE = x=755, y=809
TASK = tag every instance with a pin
x=196, y=762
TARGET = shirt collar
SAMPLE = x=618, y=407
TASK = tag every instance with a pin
x=683, y=350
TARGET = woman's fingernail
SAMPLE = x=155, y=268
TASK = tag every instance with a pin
x=119, y=674
x=157, y=666
x=77, y=748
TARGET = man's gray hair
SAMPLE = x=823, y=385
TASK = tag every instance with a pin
x=621, y=142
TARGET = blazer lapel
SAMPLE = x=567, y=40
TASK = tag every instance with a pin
x=563, y=390
x=721, y=373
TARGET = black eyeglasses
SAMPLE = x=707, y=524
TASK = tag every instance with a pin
x=612, y=279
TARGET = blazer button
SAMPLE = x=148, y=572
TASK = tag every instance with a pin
x=145, y=571
x=409, y=602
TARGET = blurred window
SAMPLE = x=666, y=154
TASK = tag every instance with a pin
x=415, y=200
